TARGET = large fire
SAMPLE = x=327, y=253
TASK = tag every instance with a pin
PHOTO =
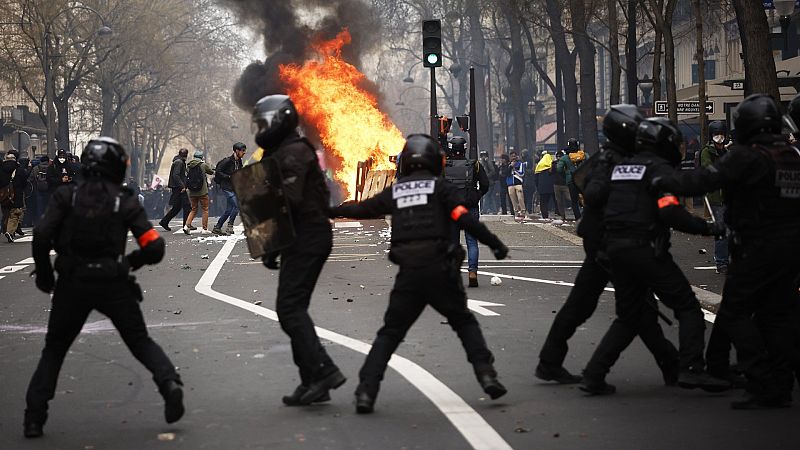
x=328, y=95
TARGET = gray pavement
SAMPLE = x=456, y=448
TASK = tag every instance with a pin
x=201, y=306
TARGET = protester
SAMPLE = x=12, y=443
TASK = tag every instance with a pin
x=198, y=190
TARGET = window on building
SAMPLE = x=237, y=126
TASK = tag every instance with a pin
x=711, y=71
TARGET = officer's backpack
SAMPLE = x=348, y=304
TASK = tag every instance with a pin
x=460, y=172
x=196, y=178
x=41, y=178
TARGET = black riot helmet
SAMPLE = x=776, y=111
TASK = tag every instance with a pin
x=573, y=145
x=794, y=110
x=662, y=137
x=458, y=147
x=105, y=157
x=274, y=117
x=717, y=127
x=757, y=114
x=421, y=152
x=620, y=124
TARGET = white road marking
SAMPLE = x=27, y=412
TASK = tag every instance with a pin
x=26, y=261
x=466, y=420
x=705, y=268
x=709, y=316
x=12, y=268
x=347, y=225
x=27, y=238
x=478, y=307
x=533, y=261
x=530, y=267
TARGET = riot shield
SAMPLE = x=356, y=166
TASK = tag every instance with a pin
x=263, y=207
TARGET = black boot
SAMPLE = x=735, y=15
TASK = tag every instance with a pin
x=34, y=423
x=596, y=386
x=294, y=398
x=487, y=378
x=365, y=398
x=697, y=378
x=164, y=225
x=173, y=400
x=558, y=374
x=319, y=388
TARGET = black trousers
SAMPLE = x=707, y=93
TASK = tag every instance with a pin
x=579, y=306
x=758, y=311
x=413, y=290
x=301, y=265
x=71, y=306
x=638, y=270
x=574, y=196
x=179, y=201
x=503, y=193
x=622, y=332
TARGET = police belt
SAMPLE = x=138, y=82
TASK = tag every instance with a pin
x=92, y=269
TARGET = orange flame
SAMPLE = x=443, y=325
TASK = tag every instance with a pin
x=329, y=96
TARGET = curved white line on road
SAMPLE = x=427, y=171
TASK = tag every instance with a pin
x=466, y=420
x=700, y=293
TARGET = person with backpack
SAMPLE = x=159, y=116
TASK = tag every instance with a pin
x=8, y=171
x=566, y=166
x=222, y=177
x=19, y=181
x=38, y=179
x=179, y=200
x=197, y=184
x=514, y=182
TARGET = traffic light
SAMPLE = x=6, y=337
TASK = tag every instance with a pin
x=432, y=43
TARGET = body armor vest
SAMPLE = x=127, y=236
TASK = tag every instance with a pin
x=461, y=172
x=417, y=213
x=772, y=204
x=631, y=207
x=91, y=243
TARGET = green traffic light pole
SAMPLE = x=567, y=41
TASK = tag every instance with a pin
x=434, y=113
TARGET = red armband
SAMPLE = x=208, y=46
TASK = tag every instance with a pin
x=148, y=237
x=668, y=200
x=457, y=212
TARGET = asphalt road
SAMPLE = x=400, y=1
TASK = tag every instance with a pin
x=211, y=307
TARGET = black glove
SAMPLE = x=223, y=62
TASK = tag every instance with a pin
x=270, y=260
x=716, y=229
x=135, y=259
x=45, y=281
x=501, y=251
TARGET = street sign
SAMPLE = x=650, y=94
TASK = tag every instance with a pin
x=690, y=107
x=737, y=86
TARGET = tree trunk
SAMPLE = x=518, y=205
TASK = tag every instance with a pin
x=632, y=77
x=514, y=72
x=586, y=52
x=669, y=61
x=565, y=60
x=62, y=130
x=107, y=108
x=701, y=70
x=479, y=57
x=613, y=49
x=658, y=45
x=759, y=73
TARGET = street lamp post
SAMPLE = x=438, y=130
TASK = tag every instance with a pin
x=49, y=88
x=532, y=119
x=784, y=9
x=646, y=86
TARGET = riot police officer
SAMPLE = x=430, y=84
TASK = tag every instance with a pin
x=760, y=178
x=619, y=126
x=423, y=208
x=87, y=225
x=637, y=222
x=470, y=178
x=307, y=193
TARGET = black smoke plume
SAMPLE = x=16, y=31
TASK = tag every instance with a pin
x=287, y=38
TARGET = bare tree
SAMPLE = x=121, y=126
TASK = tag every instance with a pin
x=581, y=11
x=759, y=75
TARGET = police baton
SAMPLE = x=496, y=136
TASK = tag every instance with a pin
x=710, y=211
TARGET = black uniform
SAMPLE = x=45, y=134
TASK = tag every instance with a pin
x=590, y=282
x=638, y=219
x=301, y=263
x=87, y=225
x=422, y=208
x=179, y=199
x=761, y=183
